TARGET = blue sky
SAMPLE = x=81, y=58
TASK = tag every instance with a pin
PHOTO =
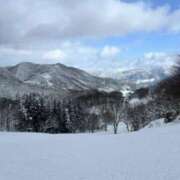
x=135, y=45
x=91, y=34
x=158, y=41
x=173, y=3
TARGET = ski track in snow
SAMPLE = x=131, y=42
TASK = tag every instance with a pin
x=150, y=154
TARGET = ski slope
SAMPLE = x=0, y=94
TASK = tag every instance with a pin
x=150, y=154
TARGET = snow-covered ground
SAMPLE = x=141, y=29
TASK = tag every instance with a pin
x=161, y=123
x=122, y=128
x=150, y=154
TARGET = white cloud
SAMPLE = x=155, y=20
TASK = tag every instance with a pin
x=154, y=55
x=105, y=18
x=160, y=59
x=42, y=29
x=110, y=52
x=29, y=21
x=174, y=25
x=56, y=54
x=15, y=52
x=82, y=56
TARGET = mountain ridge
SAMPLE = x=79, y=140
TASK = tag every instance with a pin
x=28, y=77
x=53, y=78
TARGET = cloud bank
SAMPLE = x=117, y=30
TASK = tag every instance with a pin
x=24, y=21
x=42, y=28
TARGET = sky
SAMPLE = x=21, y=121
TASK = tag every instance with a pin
x=89, y=34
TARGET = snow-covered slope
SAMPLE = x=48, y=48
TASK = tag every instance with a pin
x=10, y=86
x=150, y=154
x=143, y=71
x=60, y=77
x=161, y=123
x=50, y=79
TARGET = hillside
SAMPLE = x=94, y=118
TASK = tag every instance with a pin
x=143, y=71
x=59, y=79
x=50, y=79
x=148, y=154
x=59, y=76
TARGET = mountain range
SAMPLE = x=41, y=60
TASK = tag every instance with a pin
x=143, y=71
x=49, y=79
x=60, y=79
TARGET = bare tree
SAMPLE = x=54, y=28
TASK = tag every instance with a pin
x=118, y=110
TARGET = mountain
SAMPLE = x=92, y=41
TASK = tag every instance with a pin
x=144, y=71
x=142, y=77
x=48, y=79
x=10, y=86
x=170, y=87
x=60, y=79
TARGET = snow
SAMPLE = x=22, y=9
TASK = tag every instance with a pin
x=156, y=123
x=137, y=101
x=106, y=89
x=48, y=79
x=126, y=91
x=161, y=123
x=34, y=82
x=145, y=81
x=150, y=154
x=122, y=128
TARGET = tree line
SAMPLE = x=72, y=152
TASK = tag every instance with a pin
x=36, y=113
